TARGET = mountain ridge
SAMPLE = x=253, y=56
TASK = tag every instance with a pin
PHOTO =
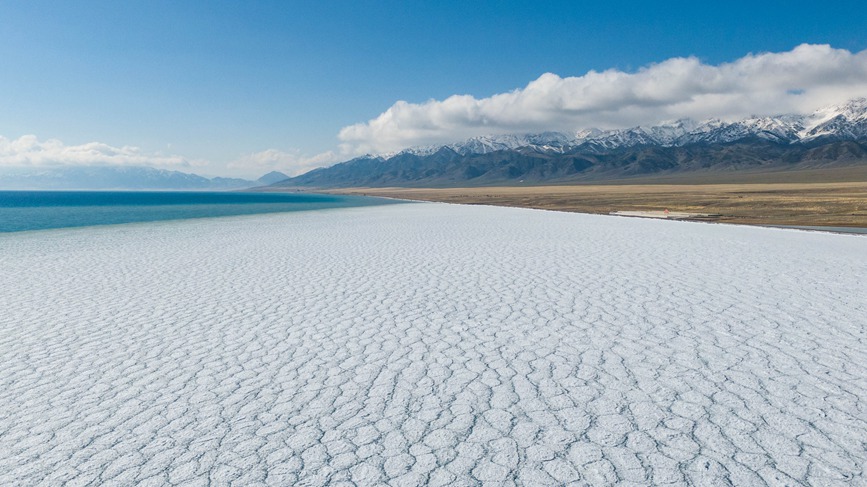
x=848, y=120
x=273, y=177
x=112, y=178
x=831, y=136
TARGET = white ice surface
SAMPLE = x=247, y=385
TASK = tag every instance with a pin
x=430, y=343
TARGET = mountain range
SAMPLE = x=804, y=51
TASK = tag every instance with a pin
x=120, y=178
x=830, y=137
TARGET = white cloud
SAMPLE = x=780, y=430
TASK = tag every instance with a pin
x=28, y=150
x=797, y=81
x=291, y=163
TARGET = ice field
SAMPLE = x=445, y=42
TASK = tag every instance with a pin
x=432, y=344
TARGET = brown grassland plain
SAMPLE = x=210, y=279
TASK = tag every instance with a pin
x=810, y=198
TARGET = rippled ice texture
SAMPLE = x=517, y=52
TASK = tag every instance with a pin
x=432, y=344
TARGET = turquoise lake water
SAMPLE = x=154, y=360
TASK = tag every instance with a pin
x=39, y=210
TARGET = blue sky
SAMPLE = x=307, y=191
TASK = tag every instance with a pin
x=220, y=84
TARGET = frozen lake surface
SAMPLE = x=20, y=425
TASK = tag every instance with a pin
x=432, y=344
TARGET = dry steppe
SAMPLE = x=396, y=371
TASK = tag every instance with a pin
x=810, y=198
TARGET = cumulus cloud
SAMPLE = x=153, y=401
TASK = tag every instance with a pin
x=28, y=150
x=290, y=163
x=796, y=81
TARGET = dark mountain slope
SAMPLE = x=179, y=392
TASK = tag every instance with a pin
x=526, y=165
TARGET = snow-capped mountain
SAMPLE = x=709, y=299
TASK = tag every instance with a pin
x=830, y=138
x=546, y=141
x=847, y=121
x=781, y=129
x=841, y=122
x=663, y=134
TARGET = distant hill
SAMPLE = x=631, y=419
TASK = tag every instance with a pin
x=273, y=177
x=112, y=177
x=828, y=138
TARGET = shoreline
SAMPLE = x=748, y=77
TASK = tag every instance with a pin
x=826, y=206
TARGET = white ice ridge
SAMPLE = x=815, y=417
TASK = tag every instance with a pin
x=432, y=344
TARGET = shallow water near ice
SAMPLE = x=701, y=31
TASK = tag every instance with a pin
x=432, y=344
x=39, y=210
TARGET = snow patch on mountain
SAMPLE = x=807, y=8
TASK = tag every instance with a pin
x=546, y=141
x=847, y=121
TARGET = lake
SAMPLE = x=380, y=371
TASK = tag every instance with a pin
x=39, y=210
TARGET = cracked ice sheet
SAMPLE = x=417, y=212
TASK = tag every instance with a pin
x=430, y=343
